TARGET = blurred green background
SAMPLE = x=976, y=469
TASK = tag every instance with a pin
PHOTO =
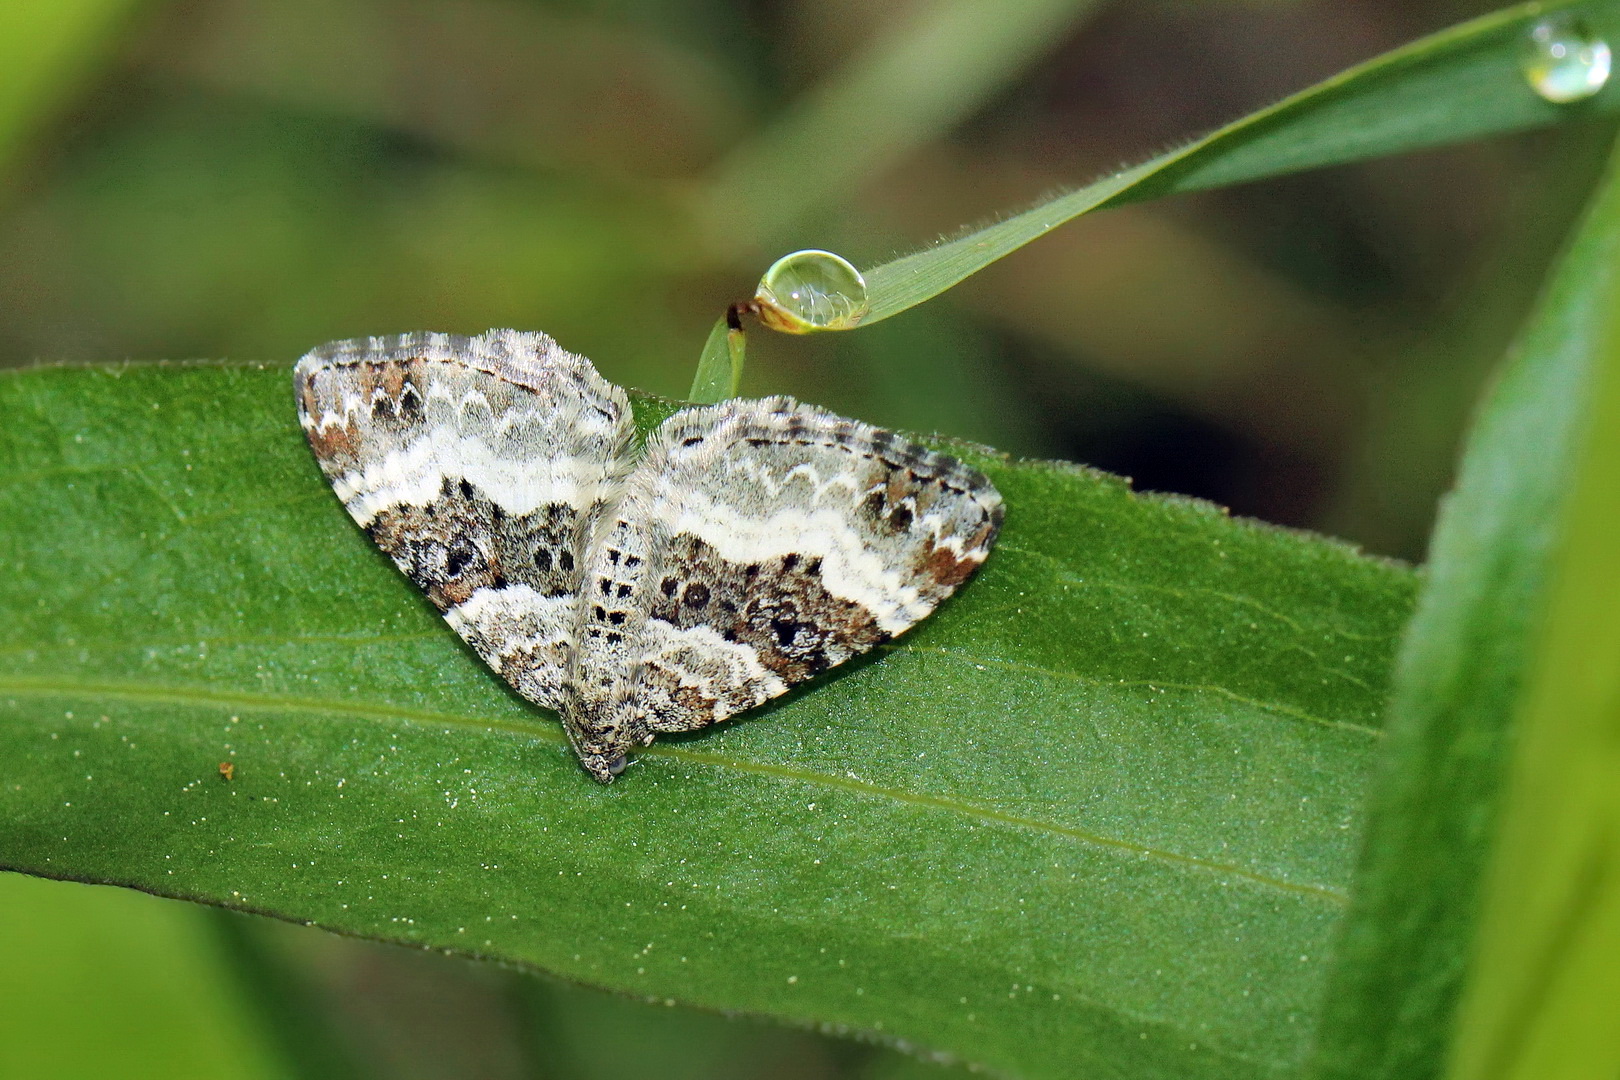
x=248, y=178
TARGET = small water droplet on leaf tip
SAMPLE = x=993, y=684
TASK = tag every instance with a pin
x=1564, y=61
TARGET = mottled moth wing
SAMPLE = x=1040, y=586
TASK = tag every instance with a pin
x=758, y=544
x=478, y=465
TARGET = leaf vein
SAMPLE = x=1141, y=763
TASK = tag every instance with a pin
x=247, y=702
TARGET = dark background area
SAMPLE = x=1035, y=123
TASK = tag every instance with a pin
x=248, y=178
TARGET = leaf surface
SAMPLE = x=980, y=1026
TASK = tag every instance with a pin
x=1098, y=814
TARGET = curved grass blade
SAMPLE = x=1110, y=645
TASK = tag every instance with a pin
x=1461, y=83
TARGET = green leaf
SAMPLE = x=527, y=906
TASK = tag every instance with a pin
x=1462, y=83
x=1468, y=670
x=96, y=979
x=1544, y=976
x=1546, y=972
x=1098, y=813
x=720, y=365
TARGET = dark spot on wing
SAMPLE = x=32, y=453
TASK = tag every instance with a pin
x=460, y=555
x=410, y=402
x=872, y=505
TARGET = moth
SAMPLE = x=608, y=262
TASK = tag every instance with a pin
x=635, y=589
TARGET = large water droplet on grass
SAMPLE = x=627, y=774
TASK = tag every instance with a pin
x=811, y=290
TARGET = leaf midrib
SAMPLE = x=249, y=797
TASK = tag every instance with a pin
x=189, y=696
x=104, y=647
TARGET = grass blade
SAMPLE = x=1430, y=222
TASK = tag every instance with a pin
x=1465, y=670
x=1546, y=970
x=1461, y=83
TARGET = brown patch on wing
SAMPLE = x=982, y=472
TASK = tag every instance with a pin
x=336, y=448
x=391, y=399
x=946, y=568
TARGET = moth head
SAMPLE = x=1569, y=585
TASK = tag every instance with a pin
x=604, y=766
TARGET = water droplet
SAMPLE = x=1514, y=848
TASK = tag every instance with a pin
x=1564, y=61
x=811, y=290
